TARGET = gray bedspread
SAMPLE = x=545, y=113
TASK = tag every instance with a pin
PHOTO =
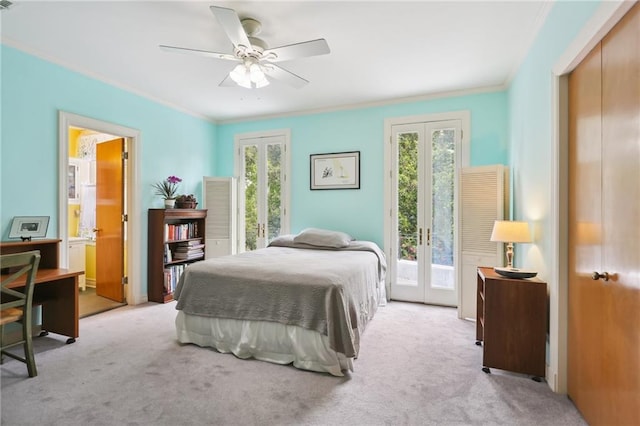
x=332, y=291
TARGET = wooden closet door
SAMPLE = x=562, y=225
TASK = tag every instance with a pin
x=621, y=220
x=585, y=230
x=604, y=218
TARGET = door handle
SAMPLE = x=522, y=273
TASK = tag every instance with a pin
x=420, y=236
x=96, y=230
x=596, y=276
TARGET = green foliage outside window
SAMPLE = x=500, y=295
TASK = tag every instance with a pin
x=274, y=190
x=442, y=156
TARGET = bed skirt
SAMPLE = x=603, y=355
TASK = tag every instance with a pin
x=265, y=341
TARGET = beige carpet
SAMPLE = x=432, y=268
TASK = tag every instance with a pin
x=418, y=365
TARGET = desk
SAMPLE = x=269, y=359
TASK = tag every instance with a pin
x=56, y=289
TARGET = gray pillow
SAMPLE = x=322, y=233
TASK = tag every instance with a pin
x=323, y=238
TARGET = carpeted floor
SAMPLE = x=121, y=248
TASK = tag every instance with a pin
x=418, y=365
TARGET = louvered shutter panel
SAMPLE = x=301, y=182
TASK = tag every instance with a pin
x=484, y=198
x=220, y=201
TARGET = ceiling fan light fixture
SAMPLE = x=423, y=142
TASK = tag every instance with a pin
x=249, y=75
x=262, y=83
x=239, y=73
x=256, y=73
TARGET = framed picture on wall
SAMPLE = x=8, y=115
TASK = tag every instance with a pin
x=336, y=170
x=26, y=227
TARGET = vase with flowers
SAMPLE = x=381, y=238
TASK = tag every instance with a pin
x=168, y=190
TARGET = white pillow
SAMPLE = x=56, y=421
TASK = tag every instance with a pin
x=323, y=238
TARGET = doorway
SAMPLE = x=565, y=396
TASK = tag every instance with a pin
x=126, y=220
x=262, y=165
x=96, y=208
x=423, y=158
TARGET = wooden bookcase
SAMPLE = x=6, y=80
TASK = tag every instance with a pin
x=512, y=323
x=176, y=238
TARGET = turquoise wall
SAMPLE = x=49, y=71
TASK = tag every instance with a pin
x=359, y=212
x=175, y=143
x=530, y=107
x=33, y=91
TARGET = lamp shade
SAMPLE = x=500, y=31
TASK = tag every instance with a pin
x=507, y=231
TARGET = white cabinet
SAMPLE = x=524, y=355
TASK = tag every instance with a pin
x=219, y=198
x=484, y=198
x=77, y=260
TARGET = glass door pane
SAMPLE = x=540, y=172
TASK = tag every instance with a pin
x=274, y=191
x=407, y=251
x=442, y=219
x=250, y=160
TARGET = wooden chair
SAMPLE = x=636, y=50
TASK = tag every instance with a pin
x=16, y=306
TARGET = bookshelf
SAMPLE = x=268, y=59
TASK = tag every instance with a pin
x=176, y=239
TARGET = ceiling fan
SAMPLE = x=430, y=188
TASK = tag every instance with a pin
x=257, y=61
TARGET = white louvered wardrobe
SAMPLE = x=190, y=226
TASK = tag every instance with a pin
x=220, y=200
x=484, y=198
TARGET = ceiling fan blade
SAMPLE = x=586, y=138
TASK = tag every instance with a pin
x=281, y=74
x=205, y=53
x=297, y=50
x=232, y=26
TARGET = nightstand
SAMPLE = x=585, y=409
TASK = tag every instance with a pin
x=512, y=323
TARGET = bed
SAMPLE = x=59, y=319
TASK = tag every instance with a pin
x=303, y=300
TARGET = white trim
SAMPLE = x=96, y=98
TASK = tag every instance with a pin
x=463, y=115
x=539, y=21
x=134, y=228
x=380, y=103
x=602, y=21
x=558, y=286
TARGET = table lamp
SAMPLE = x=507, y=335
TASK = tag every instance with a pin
x=507, y=231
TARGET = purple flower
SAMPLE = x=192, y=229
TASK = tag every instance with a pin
x=168, y=188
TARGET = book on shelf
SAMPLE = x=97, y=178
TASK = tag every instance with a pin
x=171, y=276
x=196, y=254
x=180, y=231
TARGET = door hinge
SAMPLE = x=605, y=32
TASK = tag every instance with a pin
x=125, y=280
x=125, y=217
x=125, y=155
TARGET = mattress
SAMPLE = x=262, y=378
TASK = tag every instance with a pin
x=288, y=303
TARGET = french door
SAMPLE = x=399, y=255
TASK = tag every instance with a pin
x=424, y=161
x=262, y=167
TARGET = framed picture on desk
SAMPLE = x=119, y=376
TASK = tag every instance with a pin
x=26, y=227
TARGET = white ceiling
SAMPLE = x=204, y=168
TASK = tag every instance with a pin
x=380, y=51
